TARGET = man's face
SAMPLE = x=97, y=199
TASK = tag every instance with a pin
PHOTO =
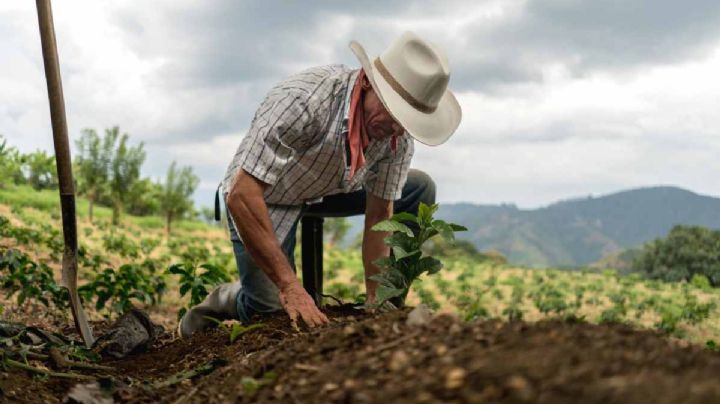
x=379, y=124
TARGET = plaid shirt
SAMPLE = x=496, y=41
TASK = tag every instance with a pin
x=297, y=145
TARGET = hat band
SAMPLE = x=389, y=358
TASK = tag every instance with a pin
x=414, y=102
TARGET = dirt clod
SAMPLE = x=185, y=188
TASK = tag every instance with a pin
x=455, y=378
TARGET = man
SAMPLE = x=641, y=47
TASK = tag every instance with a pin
x=328, y=141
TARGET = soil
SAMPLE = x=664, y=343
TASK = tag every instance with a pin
x=370, y=358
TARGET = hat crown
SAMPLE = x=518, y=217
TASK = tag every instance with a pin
x=420, y=68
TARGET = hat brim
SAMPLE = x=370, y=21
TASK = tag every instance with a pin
x=433, y=128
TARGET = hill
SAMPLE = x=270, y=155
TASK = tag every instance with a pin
x=579, y=231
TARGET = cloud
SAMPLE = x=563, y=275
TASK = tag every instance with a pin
x=622, y=36
x=560, y=97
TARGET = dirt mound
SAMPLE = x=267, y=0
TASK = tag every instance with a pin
x=361, y=358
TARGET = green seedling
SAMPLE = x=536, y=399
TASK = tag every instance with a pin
x=197, y=280
x=251, y=385
x=116, y=289
x=234, y=330
x=407, y=261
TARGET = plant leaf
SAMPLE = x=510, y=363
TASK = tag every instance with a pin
x=429, y=264
x=393, y=226
x=384, y=293
x=400, y=253
x=385, y=262
x=391, y=278
x=404, y=217
x=400, y=240
x=425, y=213
x=444, y=230
x=215, y=320
x=177, y=269
x=239, y=329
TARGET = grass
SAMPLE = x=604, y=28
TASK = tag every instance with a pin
x=48, y=201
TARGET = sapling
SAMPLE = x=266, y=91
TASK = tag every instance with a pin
x=197, y=280
x=407, y=260
x=235, y=329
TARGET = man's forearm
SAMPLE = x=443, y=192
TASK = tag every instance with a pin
x=372, y=249
x=253, y=223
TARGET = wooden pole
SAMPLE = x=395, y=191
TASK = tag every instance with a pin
x=64, y=165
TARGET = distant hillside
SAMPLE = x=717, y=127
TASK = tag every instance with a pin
x=581, y=231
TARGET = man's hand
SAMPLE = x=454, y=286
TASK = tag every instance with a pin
x=297, y=302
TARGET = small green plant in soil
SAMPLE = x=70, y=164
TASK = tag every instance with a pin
x=250, y=385
x=407, y=260
x=29, y=280
x=196, y=280
x=115, y=289
x=235, y=329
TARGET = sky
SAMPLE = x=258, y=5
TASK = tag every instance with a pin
x=560, y=98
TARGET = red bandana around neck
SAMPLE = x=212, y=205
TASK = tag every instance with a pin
x=357, y=136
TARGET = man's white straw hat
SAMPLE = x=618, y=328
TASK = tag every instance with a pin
x=411, y=79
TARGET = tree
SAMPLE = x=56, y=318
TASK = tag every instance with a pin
x=10, y=165
x=41, y=172
x=686, y=251
x=93, y=165
x=207, y=215
x=442, y=248
x=124, y=172
x=336, y=228
x=144, y=198
x=175, y=199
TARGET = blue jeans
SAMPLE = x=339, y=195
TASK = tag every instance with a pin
x=260, y=295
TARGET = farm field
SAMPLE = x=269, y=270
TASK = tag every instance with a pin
x=503, y=333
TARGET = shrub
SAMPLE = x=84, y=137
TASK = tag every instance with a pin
x=196, y=280
x=115, y=290
x=685, y=252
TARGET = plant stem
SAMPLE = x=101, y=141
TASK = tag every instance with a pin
x=20, y=365
x=62, y=362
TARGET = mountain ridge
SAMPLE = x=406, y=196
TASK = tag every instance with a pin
x=582, y=230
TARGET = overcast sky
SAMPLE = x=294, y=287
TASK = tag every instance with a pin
x=561, y=98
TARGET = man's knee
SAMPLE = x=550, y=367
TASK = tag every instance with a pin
x=422, y=186
x=419, y=187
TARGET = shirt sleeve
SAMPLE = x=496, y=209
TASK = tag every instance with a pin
x=275, y=134
x=387, y=178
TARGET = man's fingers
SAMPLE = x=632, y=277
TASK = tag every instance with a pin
x=297, y=303
x=312, y=316
x=318, y=317
x=311, y=319
x=293, y=319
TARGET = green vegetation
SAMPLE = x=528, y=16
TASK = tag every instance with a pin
x=107, y=173
x=92, y=166
x=582, y=231
x=175, y=199
x=407, y=261
x=118, y=269
x=672, y=290
x=234, y=329
x=196, y=280
x=688, y=252
x=36, y=169
x=120, y=266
